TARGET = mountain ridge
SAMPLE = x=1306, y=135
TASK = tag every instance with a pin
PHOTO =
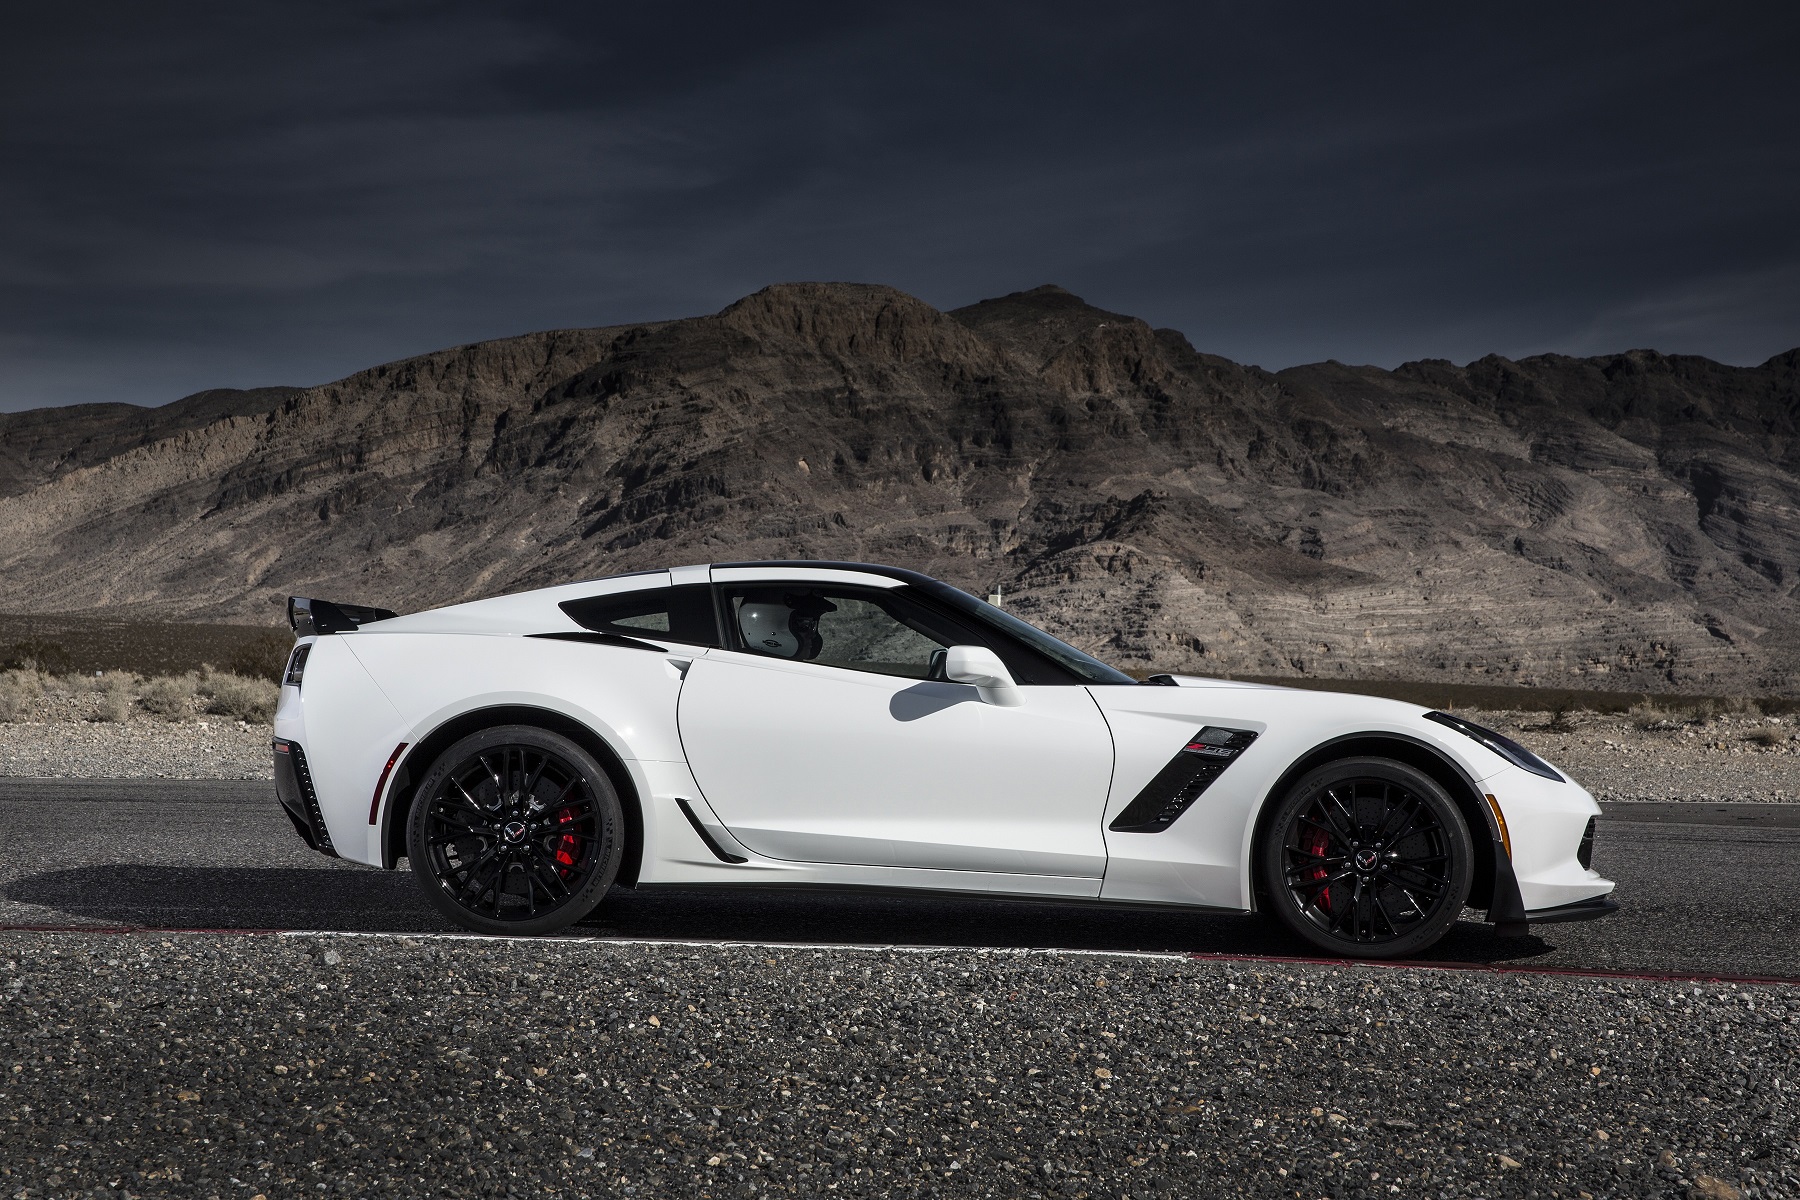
x=1628, y=520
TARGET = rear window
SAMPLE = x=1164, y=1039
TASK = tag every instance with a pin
x=671, y=614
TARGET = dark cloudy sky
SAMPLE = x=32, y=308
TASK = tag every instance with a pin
x=195, y=195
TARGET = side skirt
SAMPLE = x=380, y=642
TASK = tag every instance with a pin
x=872, y=889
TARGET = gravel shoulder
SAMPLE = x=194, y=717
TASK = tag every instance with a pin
x=137, y=749
x=208, y=1065
x=1725, y=759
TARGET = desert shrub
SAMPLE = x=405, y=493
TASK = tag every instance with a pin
x=262, y=657
x=1767, y=736
x=117, y=692
x=246, y=699
x=18, y=689
x=169, y=696
x=1649, y=715
x=35, y=655
x=65, y=685
x=114, y=708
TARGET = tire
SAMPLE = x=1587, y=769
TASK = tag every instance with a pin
x=1367, y=858
x=515, y=830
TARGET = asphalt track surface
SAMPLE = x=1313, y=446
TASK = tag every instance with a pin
x=1707, y=890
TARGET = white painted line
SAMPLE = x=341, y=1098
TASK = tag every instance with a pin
x=1020, y=951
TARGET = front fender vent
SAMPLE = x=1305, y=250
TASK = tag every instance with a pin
x=1182, y=781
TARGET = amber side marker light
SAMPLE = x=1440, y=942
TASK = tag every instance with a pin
x=1499, y=819
x=381, y=786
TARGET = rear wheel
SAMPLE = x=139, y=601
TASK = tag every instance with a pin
x=515, y=830
x=1368, y=857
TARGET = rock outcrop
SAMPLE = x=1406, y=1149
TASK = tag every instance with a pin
x=1629, y=521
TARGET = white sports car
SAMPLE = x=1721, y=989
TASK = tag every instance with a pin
x=840, y=725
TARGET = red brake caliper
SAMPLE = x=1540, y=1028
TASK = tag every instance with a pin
x=567, y=845
x=1316, y=843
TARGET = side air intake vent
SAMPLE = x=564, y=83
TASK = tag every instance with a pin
x=1585, y=855
x=1179, y=784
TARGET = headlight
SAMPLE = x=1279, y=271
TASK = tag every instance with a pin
x=1500, y=744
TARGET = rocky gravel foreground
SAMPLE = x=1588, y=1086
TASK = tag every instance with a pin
x=241, y=1066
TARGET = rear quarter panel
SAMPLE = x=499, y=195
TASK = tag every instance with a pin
x=625, y=696
x=347, y=727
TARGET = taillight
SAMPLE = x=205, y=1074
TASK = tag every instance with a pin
x=296, y=668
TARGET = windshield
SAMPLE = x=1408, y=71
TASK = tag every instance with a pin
x=1084, y=667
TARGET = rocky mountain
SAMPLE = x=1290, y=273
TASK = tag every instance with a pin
x=39, y=445
x=1629, y=521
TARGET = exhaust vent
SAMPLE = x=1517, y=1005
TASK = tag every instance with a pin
x=294, y=788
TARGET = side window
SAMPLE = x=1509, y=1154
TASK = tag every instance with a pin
x=670, y=614
x=857, y=629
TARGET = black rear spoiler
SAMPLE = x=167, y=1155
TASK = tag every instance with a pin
x=308, y=616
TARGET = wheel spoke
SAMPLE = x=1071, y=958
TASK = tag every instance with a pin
x=1405, y=811
x=451, y=819
x=1314, y=856
x=465, y=835
x=1313, y=886
x=531, y=890
x=1430, y=891
x=1342, y=912
x=506, y=864
x=479, y=886
x=1347, y=835
x=493, y=776
x=1418, y=909
x=467, y=870
x=1438, y=881
x=1413, y=828
x=558, y=888
x=1300, y=872
x=1368, y=912
x=1393, y=930
x=1330, y=831
x=531, y=786
x=467, y=801
x=580, y=827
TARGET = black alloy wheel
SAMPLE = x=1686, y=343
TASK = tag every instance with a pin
x=1368, y=857
x=515, y=830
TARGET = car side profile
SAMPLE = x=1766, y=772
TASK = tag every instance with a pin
x=841, y=725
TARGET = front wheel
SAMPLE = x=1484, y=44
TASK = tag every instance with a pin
x=515, y=830
x=1368, y=857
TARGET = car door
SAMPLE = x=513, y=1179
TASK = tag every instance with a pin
x=819, y=735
